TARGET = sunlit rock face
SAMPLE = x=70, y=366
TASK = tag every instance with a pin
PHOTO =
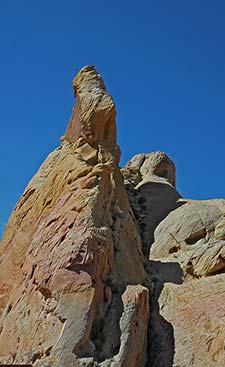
x=71, y=263
x=102, y=267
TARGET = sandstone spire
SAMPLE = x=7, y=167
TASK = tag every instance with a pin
x=93, y=117
x=71, y=269
x=85, y=246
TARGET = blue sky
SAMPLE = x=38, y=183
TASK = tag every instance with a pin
x=163, y=62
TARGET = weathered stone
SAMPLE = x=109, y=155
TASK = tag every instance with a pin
x=196, y=312
x=153, y=167
x=150, y=183
x=220, y=229
x=88, y=280
x=185, y=240
x=93, y=117
x=189, y=235
x=187, y=312
x=64, y=249
x=133, y=329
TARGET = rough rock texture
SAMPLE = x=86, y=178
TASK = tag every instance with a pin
x=190, y=245
x=185, y=242
x=71, y=262
x=94, y=114
x=196, y=312
x=150, y=183
x=152, y=167
x=100, y=268
x=193, y=236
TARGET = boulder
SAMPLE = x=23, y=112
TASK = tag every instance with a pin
x=150, y=181
x=193, y=236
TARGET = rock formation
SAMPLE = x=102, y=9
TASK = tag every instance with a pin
x=150, y=183
x=109, y=268
x=71, y=265
x=185, y=243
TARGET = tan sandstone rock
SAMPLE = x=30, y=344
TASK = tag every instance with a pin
x=193, y=236
x=156, y=166
x=103, y=268
x=71, y=249
x=196, y=312
x=185, y=242
x=150, y=182
x=188, y=309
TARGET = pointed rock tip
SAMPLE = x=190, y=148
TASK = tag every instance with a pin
x=93, y=117
x=88, y=77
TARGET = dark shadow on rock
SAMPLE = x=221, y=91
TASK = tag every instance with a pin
x=167, y=272
x=152, y=202
x=106, y=333
x=161, y=344
x=158, y=200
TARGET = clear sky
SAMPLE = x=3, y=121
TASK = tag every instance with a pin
x=163, y=61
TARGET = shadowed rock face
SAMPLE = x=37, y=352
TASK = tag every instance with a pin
x=71, y=255
x=86, y=244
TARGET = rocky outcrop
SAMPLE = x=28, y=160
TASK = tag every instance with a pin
x=185, y=242
x=107, y=268
x=195, y=312
x=150, y=181
x=190, y=247
x=71, y=270
x=193, y=236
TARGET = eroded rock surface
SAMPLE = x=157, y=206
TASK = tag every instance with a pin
x=193, y=236
x=150, y=181
x=189, y=255
x=71, y=255
x=103, y=268
x=185, y=242
x=196, y=313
